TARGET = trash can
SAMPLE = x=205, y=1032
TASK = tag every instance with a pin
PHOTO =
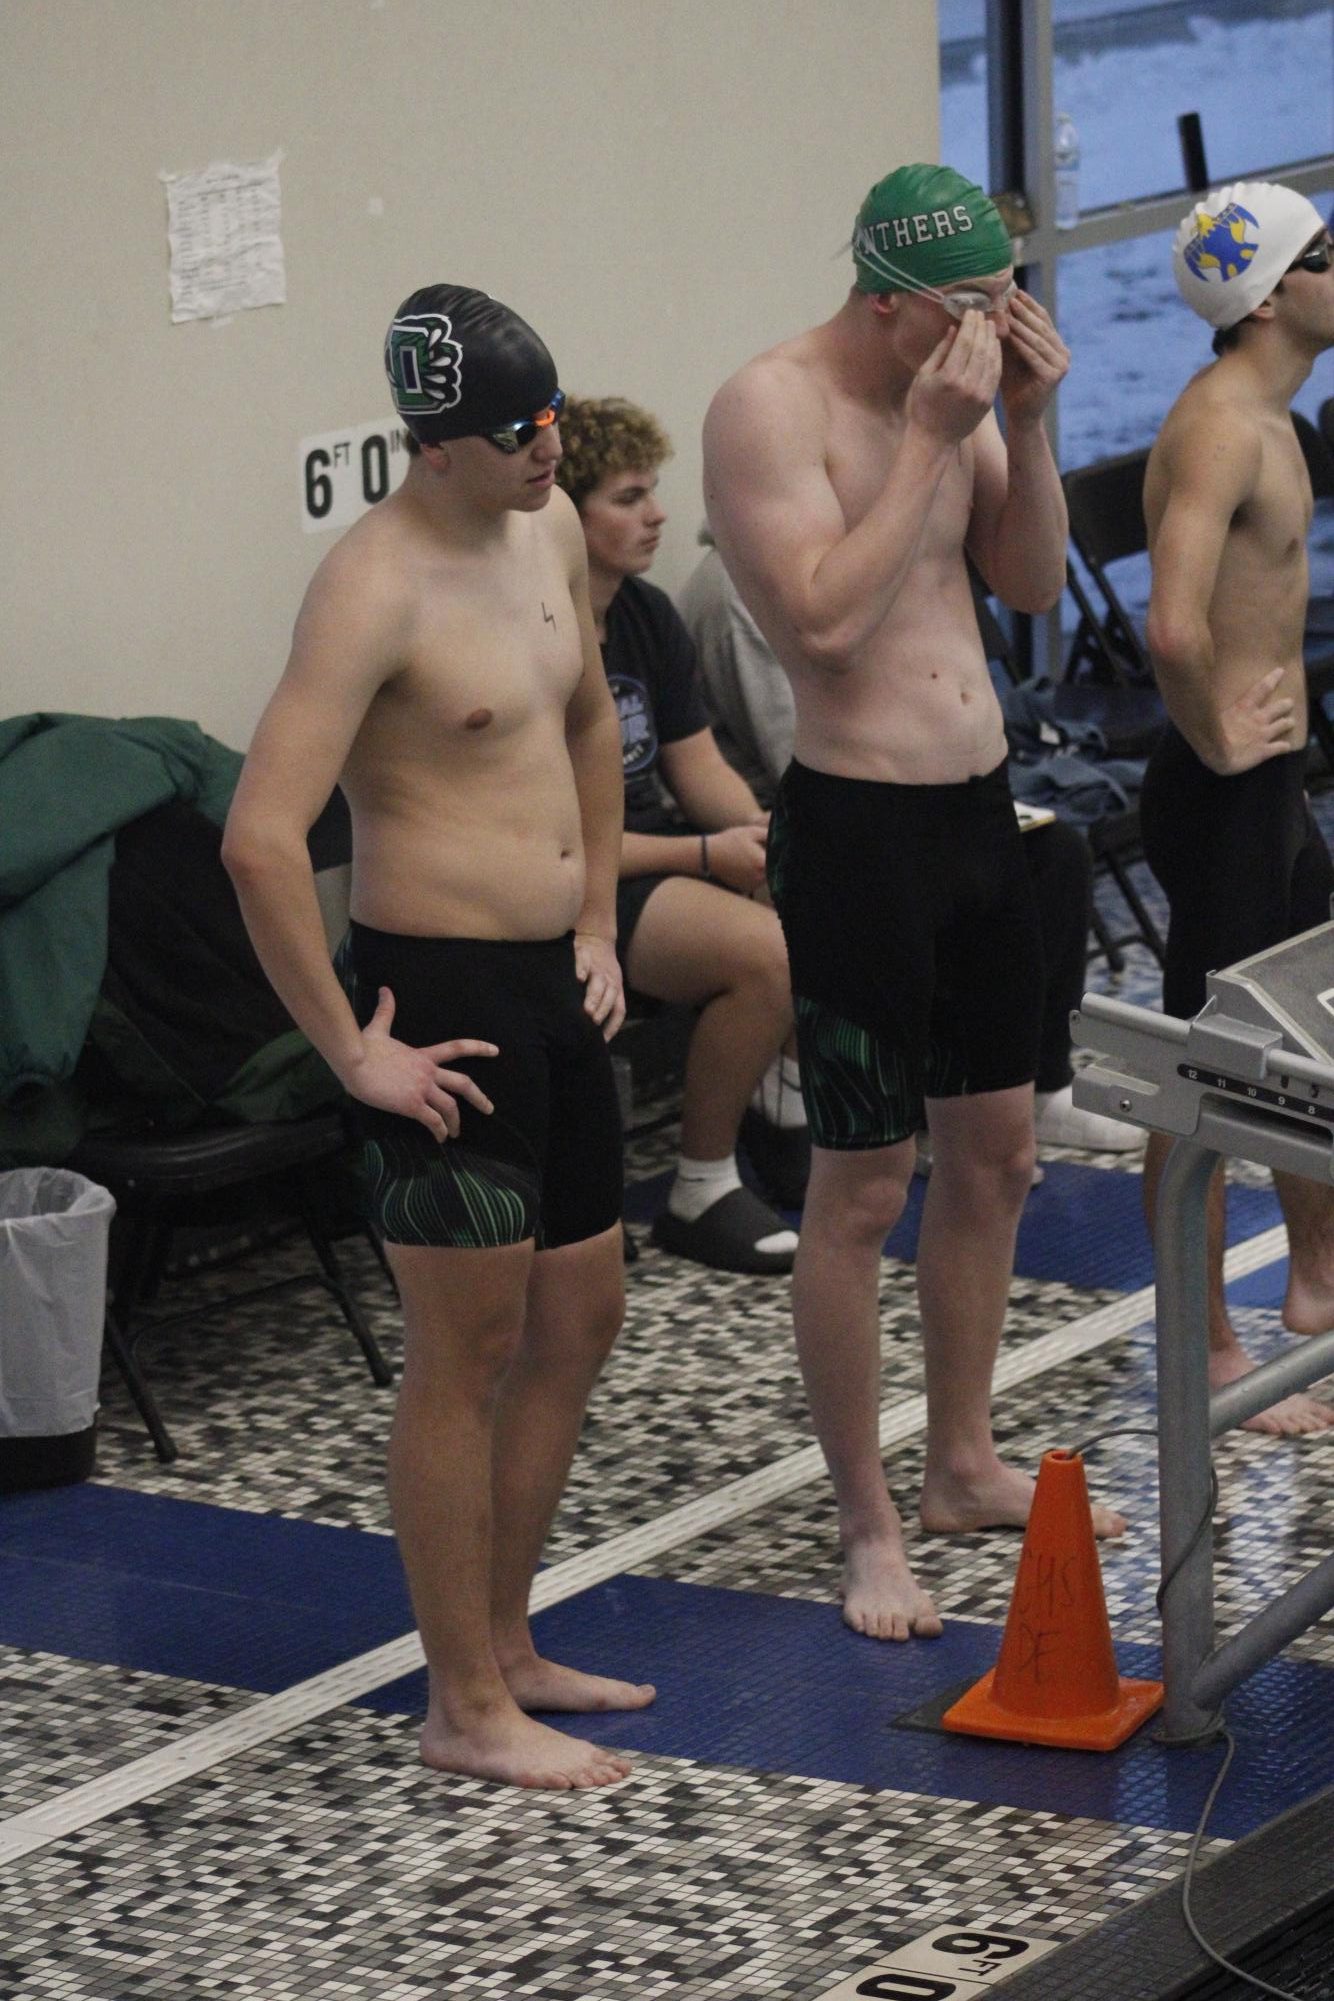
x=54, y=1230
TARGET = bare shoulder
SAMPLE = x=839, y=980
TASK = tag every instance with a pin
x=358, y=605
x=765, y=440
x=778, y=381
x=370, y=554
x=1212, y=432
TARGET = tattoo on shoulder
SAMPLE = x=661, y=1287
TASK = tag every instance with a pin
x=549, y=616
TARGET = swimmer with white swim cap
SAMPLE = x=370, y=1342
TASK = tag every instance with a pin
x=1235, y=247
x=1227, y=827
x=445, y=671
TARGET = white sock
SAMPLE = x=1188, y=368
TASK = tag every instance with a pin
x=1060, y=1122
x=781, y=1240
x=777, y=1096
x=701, y=1183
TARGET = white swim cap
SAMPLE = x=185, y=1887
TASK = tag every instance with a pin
x=1235, y=245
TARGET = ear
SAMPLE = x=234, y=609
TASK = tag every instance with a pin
x=437, y=458
x=1265, y=310
x=886, y=304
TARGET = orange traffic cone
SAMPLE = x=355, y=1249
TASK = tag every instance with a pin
x=1056, y=1679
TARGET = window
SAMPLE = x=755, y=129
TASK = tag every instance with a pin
x=1258, y=72
x=963, y=88
x=1258, y=75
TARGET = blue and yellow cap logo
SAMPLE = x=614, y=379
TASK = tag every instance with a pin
x=1224, y=244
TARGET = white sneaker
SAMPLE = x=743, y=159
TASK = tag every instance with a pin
x=1060, y=1122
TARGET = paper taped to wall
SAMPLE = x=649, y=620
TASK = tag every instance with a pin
x=224, y=227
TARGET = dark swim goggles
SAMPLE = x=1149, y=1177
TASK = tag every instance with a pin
x=511, y=438
x=1317, y=258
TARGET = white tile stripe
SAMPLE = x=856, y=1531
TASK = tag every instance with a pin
x=276, y=1715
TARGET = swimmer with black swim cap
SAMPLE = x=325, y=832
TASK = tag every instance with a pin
x=445, y=671
x=461, y=365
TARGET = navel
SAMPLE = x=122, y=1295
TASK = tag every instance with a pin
x=479, y=719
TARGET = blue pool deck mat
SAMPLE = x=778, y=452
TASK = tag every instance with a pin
x=178, y=1588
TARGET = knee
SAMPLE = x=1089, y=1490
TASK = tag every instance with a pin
x=1014, y=1171
x=468, y=1370
x=602, y=1322
x=858, y=1218
x=996, y=1171
x=575, y=1331
x=762, y=965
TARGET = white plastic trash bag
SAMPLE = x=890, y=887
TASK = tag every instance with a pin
x=54, y=1229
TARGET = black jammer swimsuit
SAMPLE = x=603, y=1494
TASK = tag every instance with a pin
x=1240, y=859
x=546, y=1163
x=914, y=944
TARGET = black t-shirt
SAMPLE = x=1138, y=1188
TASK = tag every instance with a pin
x=649, y=659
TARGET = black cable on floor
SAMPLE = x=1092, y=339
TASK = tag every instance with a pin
x=1215, y=1727
x=1228, y=1966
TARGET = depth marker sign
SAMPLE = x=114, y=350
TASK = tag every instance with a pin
x=955, y=1964
x=344, y=473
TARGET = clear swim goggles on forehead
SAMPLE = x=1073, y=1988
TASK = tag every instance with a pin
x=969, y=299
x=511, y=438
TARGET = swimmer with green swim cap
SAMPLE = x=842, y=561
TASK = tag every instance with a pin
x=849, y=474
x=925, y=227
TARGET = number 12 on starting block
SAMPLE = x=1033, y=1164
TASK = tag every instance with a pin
x=955, y=1964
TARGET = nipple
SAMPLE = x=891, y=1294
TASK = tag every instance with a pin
x=479, y=719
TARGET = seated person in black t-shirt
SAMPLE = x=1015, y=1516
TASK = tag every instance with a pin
x=694, y=834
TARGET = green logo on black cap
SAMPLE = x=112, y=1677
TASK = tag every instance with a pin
x=424, y=364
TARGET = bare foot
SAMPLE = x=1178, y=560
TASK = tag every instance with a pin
x=1308, y=1307
x=881, y=1597
x=999, y=1499
x=512, y=1749
x=1292, y=1417
x=541, y=1684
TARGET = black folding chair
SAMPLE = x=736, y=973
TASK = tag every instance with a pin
x=1105, y=502
x=219, y=1174
x=238, y=1181
x=1325, y=421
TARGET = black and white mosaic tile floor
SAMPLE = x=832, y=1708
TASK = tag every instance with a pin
x=325, y=1862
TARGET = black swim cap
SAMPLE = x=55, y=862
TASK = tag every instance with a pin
x=460, y=364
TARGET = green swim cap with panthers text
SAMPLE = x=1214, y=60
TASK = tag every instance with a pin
x=925, y=227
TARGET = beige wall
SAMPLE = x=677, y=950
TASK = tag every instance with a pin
x=661, y=186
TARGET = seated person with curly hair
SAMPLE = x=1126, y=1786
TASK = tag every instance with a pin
x=689, y=928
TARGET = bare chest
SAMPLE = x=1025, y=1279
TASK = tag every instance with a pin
x=861, y=456
x=487, y=679
x=1272, y=525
